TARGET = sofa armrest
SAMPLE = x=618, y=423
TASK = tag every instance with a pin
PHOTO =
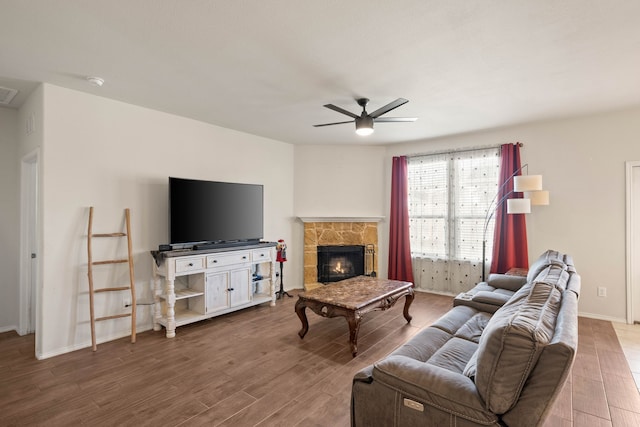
x=506, y=281
x=364, y=375
x=446, y=390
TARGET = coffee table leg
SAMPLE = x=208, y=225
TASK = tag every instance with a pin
x=354, y=327
x=407, y=304
x=301, y=312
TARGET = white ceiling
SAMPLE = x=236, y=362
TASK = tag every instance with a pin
x=266, y=67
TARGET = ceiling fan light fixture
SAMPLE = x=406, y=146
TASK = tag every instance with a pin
x=364, y=121
x=364, y=126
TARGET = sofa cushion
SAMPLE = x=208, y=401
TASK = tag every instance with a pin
x=549, y=257
x=429, y=340
x=495, y=298
x=454, y=355
x=506, y=281
x=546, y=380
x=454, y=319
x=472, y=329
x=512, y=341
x=424, y=344
x=555, y=276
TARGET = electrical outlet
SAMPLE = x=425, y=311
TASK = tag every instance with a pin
x=126, y=301
x=602, y=291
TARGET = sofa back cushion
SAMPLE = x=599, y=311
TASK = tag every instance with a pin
x=548, y=257
x=513, y=339
x=554, y=365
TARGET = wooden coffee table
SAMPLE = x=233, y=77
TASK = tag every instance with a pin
x=352, y=298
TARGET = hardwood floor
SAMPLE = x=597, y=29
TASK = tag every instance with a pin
x=629, y=337
x=251, y=368
x=601, y=390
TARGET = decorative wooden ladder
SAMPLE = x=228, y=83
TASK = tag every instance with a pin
x=131, y=287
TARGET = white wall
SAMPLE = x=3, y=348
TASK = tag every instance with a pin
x=340, y=181
x=114, y=155
x=111, y=155
x=9, y=216
x=582, y=161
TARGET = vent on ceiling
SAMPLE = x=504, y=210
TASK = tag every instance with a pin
x=6, y=95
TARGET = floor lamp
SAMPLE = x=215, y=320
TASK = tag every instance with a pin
x=531, y=185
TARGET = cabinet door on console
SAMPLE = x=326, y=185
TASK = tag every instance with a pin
x=216, y=292
x=241, y=284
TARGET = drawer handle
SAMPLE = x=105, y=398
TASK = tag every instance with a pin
x=190, y=264
x=230, y=289
x=215, y=261
x=244, y=257
x=262, y=255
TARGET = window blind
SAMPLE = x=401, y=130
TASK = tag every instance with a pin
x=449, y=194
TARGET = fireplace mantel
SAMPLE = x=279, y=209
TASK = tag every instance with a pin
x=341, y=218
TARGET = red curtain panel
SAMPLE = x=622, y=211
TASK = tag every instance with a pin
x=510, y=235
x=399, y=247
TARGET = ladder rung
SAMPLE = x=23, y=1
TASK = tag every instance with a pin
x=109, y=235
x=115, y=316
x=120, y=288
x=110, y=261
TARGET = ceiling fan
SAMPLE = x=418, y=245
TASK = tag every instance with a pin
x=364, y=122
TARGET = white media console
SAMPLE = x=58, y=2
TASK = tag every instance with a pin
x=199, y=284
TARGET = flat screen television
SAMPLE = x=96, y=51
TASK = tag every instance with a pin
x=214, y=213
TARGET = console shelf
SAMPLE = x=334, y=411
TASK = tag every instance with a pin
x=185, y=293
x=190, y=286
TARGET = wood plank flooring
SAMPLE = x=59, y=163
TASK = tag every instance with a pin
x=601, y=390
x=250, y=368
x=629, y=337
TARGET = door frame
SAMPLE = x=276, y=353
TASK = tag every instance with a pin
x=29, y=242
x=633, y=252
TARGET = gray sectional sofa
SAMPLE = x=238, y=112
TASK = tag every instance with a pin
x=482, y=363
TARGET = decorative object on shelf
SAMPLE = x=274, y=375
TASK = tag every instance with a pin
x=281, y=257
x=530, y=185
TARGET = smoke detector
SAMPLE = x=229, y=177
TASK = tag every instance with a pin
x=6, y=95
x=95, y=81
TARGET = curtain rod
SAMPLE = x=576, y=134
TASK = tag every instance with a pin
x=484, y=147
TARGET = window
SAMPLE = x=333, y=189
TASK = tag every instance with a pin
x=449, y=194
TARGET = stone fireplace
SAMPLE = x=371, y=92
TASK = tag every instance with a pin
x=339, y=262
x=338, y=232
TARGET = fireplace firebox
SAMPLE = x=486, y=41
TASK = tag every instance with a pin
x=339, y=262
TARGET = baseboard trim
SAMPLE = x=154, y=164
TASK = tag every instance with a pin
x=80, y=346
x=8, y=328
x=602, y=317
x=428, y=291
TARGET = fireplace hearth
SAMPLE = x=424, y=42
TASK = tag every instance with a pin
x=339, y=262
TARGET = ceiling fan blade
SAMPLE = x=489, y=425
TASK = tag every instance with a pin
x=341, y=110
x=396, y=119
x=390, y=106
x=330, y=124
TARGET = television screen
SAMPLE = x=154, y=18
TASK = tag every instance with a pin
x=214, y=212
